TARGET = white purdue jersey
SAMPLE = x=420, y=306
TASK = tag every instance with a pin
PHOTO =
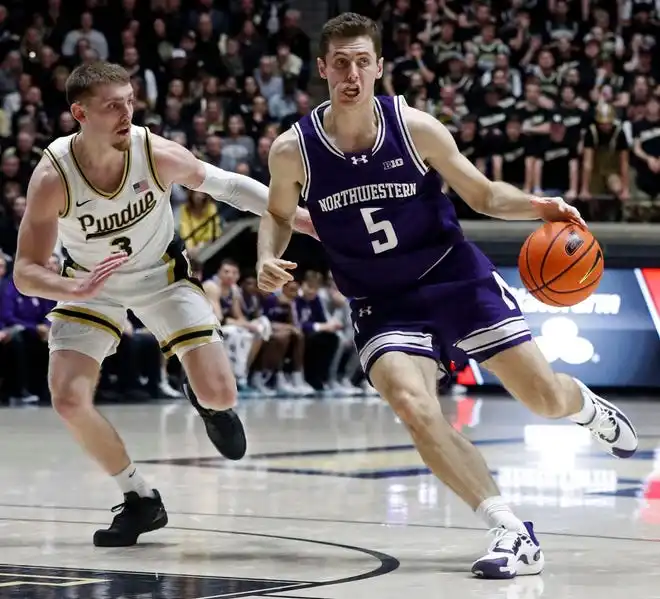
x=137, y=218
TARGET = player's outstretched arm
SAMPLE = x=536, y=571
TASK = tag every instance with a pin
x=287, y=173
x=495, y=198
x=37, y=236
x=175, y=164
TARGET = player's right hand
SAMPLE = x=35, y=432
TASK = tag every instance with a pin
x=272, y=274
x=91, y=284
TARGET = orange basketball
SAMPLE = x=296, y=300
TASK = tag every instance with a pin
x=561, y=264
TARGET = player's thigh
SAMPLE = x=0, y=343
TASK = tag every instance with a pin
x=180, y=316
x=182, y=319
x=93, y=328
x=525, y=373
x=81, y=336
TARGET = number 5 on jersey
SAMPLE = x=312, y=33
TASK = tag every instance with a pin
x=123, y=244
x=383, y=226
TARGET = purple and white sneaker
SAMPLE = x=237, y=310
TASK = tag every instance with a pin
x=610, y=426
x=511, y=554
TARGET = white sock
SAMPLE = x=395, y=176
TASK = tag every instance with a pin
x=588, y=410
x=495, y=512
x=130, y=479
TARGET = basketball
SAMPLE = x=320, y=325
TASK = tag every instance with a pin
x=561, y=264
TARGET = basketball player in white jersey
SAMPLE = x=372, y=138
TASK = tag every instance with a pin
x=106, y=193
x=368, y=169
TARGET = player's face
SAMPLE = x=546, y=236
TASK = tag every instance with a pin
x=351, y=68
x=107, y=114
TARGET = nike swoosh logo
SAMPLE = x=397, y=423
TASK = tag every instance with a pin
x=83, y=203
x=599, y=257
x=132, y=474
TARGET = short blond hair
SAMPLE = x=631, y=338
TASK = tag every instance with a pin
x=85, y=78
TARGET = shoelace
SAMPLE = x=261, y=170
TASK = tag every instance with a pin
x=603, y=426
x=507, y=540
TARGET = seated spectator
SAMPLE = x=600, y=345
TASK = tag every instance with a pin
x=284, y=104
x=9, y=234
x=320, y=331
x=13, y=375
x=270, y=84
x=605, y=162
x=28, y=154
x=556, y=164
x=259, y=117
x=250, y=300
x=345, y=364
x=237, y=147
x=95, y=38
x=646, y=179
x=287, y=339
x=25, y=329
x=260, y=170
x=290, y=66
x=303, y=108
x=243, y=339
x=511, y=158
x=199, y=222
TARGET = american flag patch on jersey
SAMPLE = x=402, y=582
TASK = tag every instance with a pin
x=141, y=186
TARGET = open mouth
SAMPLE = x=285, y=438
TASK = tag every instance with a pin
x=352, y=92
x=124, y=131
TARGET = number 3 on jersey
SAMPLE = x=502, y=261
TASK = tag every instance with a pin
x=383, y=226
x=123, y=244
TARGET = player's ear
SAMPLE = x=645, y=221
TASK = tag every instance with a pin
x=320, y=63
x=78, y=112
x=380, y=68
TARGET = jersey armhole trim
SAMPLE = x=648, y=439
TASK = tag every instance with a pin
x=305, y=161
x=151, y=161
x=67, y=189
x=399, y=103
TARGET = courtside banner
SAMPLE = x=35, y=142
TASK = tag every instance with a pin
x=610, y=339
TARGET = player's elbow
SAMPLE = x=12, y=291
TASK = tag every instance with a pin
x=21, y=277
x=481, y=200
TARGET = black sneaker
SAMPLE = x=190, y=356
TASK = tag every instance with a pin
x=136, y=515
x=225, y=429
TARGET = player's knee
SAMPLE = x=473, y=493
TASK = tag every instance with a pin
x=416, y=409
x=69, y=397
x=217, y=392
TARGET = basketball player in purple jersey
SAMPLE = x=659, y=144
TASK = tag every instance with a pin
x=370, y=170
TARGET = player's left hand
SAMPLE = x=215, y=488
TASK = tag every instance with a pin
x=556, y=209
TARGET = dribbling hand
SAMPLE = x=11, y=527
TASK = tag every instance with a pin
x=556, y=210
x=91, y=284
x=272, y=274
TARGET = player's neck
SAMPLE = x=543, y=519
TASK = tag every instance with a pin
x=92, y=154
x=352, y=127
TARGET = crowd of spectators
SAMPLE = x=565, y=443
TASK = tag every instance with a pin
x=559, y=97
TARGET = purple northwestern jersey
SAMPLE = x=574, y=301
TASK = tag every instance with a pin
x=396, y=248
x=381, y=214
